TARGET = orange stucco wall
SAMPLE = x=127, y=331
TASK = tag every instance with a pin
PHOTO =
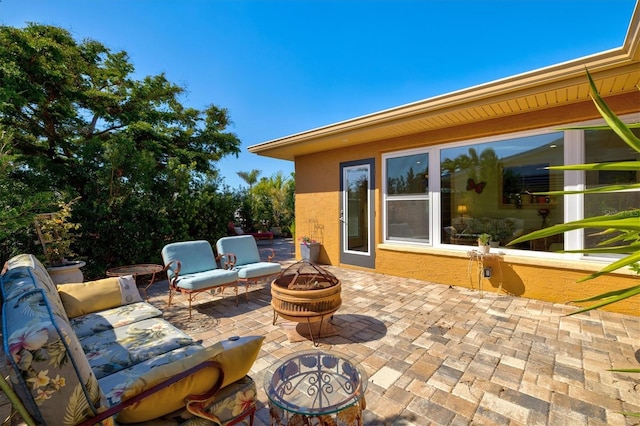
x=318, y=212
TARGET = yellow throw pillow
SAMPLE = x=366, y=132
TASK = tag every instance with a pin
x=235, y=358
x=92, y=296
x=172, y=397
x=238, y=357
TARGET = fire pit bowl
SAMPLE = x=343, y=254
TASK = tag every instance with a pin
x=305, y=292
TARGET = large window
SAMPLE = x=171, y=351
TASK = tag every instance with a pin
x=406, y=193
x=605, y=146
x=491, y=188
x=494, y=187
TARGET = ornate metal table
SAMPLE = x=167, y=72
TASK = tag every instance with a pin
x=135, y=270
x=480, y=259
x=315, y=387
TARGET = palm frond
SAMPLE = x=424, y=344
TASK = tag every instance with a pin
x=605, y=250
x=625, y=370
x=596, y=127
x=615, y=166
x=600, y=189
x=612, y=120
x=619, y=264
x=607, y=298
x=614, y=222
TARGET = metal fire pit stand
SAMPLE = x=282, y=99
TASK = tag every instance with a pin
x=305, y=292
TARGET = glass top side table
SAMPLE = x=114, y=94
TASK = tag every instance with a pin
x=314, y=383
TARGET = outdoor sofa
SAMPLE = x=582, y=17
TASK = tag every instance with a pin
x=465, y=230
x=85, y=352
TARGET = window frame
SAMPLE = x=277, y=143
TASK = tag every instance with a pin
x=574, y=153
x=407, y=197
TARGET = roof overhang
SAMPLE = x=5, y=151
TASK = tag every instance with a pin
x=615, y=72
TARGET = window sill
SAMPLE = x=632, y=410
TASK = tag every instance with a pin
x=544, y=259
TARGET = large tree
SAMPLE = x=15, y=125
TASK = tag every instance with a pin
x=83, y=126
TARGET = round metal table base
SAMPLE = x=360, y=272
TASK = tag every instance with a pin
x=350, y=416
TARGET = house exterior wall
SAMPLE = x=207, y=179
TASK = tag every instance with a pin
x=318, y=211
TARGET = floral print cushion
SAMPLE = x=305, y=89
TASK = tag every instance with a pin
x=114, y=385
x=234, y=401
x=64, y=369
x=109, y=319
x=25, y=273
x=113, y=350
x=49, y=369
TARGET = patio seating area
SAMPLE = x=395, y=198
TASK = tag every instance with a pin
x=443, y=355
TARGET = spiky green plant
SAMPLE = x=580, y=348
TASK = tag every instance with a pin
x=624, y=227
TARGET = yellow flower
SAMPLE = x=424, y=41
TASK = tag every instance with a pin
x=41, y=379
x=58, y=382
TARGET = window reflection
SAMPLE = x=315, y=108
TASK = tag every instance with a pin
x=407, y=198
x=603, y=146
x=490, y=188
x=408, y=174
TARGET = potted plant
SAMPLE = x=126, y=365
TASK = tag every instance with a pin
x=309, y=249
x=483, y=243
x=56, y=234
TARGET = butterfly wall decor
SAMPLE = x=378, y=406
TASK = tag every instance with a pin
x=478, y=187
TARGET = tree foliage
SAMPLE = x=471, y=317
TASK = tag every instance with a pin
x=141, y=163
x=273, y=200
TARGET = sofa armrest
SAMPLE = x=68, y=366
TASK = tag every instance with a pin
x=232, y=360
x=157, y=388
x=93, y=296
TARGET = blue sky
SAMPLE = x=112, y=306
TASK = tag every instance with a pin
x=283, y=67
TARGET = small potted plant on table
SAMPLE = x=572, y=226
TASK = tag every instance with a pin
x=483, y=243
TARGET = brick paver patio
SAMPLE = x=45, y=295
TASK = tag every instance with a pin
x=446, y=356
x=443, y=355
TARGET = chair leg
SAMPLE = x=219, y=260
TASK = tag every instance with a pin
x=235, y=288
x=170, y=295
x=246, y=290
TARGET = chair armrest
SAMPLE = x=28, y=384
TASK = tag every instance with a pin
x=271, y=255
x=176, y=270
x=227, y=260
x=160, y=386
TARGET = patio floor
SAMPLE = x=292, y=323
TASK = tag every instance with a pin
x=443, y=355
